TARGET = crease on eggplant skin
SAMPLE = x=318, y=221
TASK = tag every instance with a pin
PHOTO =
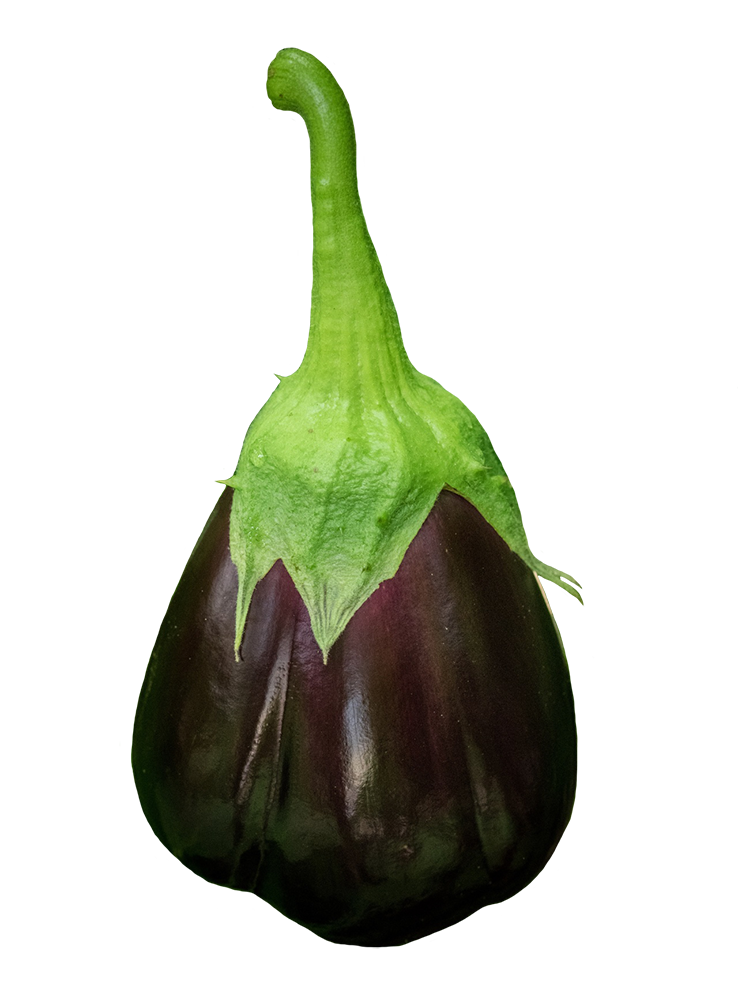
x=278, y=687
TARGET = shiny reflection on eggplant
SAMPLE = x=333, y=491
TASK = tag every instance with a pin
x=359, y=751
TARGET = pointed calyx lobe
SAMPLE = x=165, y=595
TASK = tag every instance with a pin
x=344, y=462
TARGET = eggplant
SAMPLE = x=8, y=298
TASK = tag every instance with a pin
x=358, y=706
x=426, y=770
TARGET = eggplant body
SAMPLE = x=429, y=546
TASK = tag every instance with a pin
x=427, y=770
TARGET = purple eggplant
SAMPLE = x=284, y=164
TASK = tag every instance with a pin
x=426, y=770
x=358, y=706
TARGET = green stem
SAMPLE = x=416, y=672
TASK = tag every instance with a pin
x=354, y=332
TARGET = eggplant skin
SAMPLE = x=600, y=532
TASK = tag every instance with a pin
x=427, y=770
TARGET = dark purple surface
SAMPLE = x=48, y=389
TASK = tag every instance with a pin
x=427, y=770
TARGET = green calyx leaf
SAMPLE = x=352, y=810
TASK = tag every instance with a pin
x=343, y=464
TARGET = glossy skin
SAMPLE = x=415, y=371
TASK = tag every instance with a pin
x=426, y=771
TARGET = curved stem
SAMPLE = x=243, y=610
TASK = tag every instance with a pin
x=353, y=323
